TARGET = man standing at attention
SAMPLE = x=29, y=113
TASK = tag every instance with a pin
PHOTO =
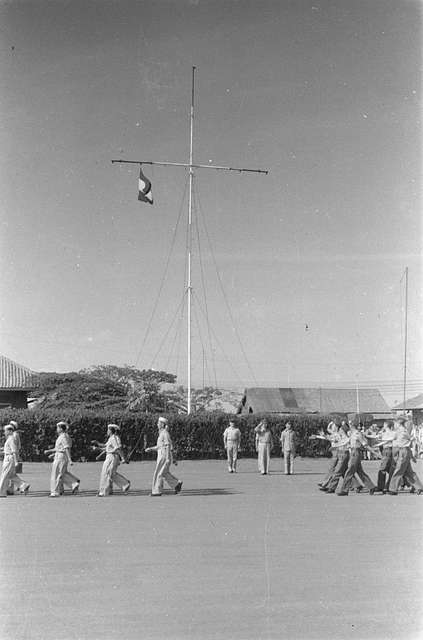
x=232, y=443
x=288, y=446
x=264, y=446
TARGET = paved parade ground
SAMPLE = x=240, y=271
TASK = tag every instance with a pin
x=232, y=557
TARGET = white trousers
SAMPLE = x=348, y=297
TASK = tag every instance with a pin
x=161, y=473
x=289, y=462
x=60, y=475
x=110, y=475
x=232, y=453
x=8, y=474
x=263, y=457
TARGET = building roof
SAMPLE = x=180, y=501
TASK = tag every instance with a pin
x=312, y=400
x=14, y=376
x=412, y=403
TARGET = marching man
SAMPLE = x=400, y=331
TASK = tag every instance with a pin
x=288, y=445
x=60, y=476
x=401, y=443
x=164, y=450
x=232, y=444
x=264, y=446
x=10, y=460
x=18, y=444
x=109, y=474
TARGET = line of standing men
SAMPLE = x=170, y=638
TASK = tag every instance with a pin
x=263, y=444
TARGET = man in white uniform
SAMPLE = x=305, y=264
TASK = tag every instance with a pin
x=10, y=460
x=232, y=443
x=164, y=460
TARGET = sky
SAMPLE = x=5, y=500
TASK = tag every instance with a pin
x=324, y=94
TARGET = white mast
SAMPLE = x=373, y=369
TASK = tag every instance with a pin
x=189, y=282
x=191, y=166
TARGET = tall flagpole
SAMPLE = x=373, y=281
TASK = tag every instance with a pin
x=191, y=166
x=189, y=282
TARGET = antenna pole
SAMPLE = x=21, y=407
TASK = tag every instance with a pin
x=405, y=339
x=189, y=283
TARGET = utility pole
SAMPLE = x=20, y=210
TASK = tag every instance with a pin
x=405, y=340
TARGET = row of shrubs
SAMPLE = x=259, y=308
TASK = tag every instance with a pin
x=195, y=436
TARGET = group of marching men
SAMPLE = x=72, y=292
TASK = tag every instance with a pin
x=394, y=444
x=61, y=455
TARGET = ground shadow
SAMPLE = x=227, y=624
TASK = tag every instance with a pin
x=134, y=492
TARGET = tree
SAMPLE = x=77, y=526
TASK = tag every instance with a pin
x=104, y=387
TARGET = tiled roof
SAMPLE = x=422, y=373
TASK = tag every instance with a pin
x=15, y=376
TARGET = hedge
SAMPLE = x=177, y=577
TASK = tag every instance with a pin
x=195, y=436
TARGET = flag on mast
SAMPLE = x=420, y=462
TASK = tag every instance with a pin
x=144, y=188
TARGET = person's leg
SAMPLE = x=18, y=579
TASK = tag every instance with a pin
x=291, y=463
x=402, y=462
x=385, y=465
x=412, y=478
x=5, y=474
x=234, y=457
x=340, y=469
x=157, y=485
x=69, y=479
x=56, y=478
x=365, y=479
x=286, y=462
x=171, y=480
x=330, y=470
x=260, y=457
x=106, y=476
x=351, y=470
x=14, y=479
x=267, y=458
x=229, y=457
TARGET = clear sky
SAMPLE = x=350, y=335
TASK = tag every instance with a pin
x=325, y=94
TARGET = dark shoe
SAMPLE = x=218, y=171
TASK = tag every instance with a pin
x=178, y=487
x=330, y=490
x=412, y=490
x=342, y=493
x=372, y=491
x=156, y=495
x=320, y=484
x=393, y=493
x=322, y=489
x=359, y=489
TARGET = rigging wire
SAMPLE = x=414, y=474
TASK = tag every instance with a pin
x=178, y=308
x=228, y=360
x=163, y=280
x=234, y=327
x=202, y=343
x=203, y=284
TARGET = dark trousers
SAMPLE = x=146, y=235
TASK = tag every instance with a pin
x=386, y=469
x=340, y=468
x=354, y=467
x=404, y=470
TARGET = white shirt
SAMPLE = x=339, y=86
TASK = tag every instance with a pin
x=232, y=434
x=10, y=446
